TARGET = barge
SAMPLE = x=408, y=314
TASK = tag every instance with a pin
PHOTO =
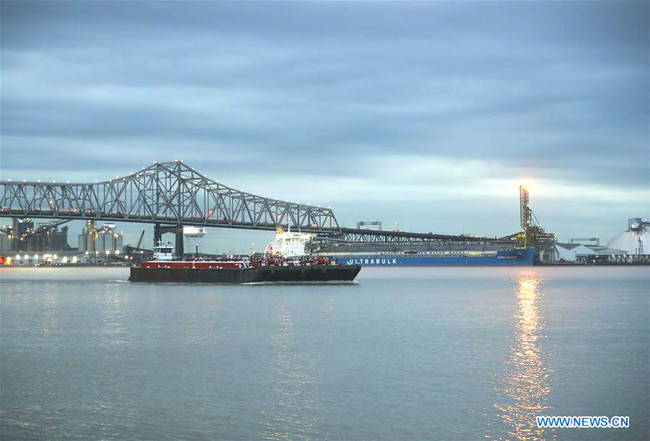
x=164, y=268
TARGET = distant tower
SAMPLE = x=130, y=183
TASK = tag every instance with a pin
x=524, y=208
x=533, y=235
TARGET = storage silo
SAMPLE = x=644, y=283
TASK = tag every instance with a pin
x=635, y=240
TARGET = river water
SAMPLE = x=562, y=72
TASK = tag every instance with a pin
x=401, y=354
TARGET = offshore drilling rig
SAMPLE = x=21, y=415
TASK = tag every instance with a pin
x=532, y=234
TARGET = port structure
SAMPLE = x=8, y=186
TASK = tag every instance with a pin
x=532, y=234
x=638, y=226
x=357, y=235
x=525, y=214
x=163, y=193
x=582, y=240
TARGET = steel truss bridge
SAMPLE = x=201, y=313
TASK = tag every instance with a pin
x=174, y=194
x=167, y=193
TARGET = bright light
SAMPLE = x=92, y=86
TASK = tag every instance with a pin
x=36, y=256
x=17, y=256
x=108, y=252
x=56, y=256
x=526, y=184
x=75, y=259
x=64, y=260
x=117, y=251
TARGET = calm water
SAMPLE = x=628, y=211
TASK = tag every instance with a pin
x=404, y=354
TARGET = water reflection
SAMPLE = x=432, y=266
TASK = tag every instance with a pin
x=293, y=415
x=526, y=385
x=51, y=323
x=113, y=332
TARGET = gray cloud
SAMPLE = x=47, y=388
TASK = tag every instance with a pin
x=284, y=92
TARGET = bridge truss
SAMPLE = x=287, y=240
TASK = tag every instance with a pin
x=355, y=235
x=165, y=193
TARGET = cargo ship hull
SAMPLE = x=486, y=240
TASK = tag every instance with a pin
x=311, y=274
x=515, y=257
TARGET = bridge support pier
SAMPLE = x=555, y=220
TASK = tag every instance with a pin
x=159, y=230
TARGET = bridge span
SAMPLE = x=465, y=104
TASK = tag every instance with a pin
x=172, y=194
x=166, y=193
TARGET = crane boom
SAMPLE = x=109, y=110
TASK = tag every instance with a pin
x=140, y=241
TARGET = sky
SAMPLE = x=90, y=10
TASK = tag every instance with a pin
x=424, y=115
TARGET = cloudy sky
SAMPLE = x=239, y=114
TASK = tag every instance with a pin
x=428, y=114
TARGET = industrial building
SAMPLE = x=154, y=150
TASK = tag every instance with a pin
x=628, y=247
x=104, y=240
x=24, y=244
x=24, y=235
x=634, y=240
x=579, y=253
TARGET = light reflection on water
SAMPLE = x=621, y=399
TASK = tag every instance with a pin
x=406, y=354
x=526, y=383
x=294, y=414
x=113, y=331
x=51, y=301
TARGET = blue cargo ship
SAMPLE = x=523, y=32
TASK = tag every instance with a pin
x=481, y=253
x=511, y=257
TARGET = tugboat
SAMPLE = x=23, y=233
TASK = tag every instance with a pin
x=271, y=267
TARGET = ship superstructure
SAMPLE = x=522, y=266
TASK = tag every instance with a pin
x=290, y=244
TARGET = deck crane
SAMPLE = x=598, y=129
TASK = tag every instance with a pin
x=140, y=240
x=133, y=251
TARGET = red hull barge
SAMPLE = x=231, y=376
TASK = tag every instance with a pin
x=184, y=274
x=235, y=270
